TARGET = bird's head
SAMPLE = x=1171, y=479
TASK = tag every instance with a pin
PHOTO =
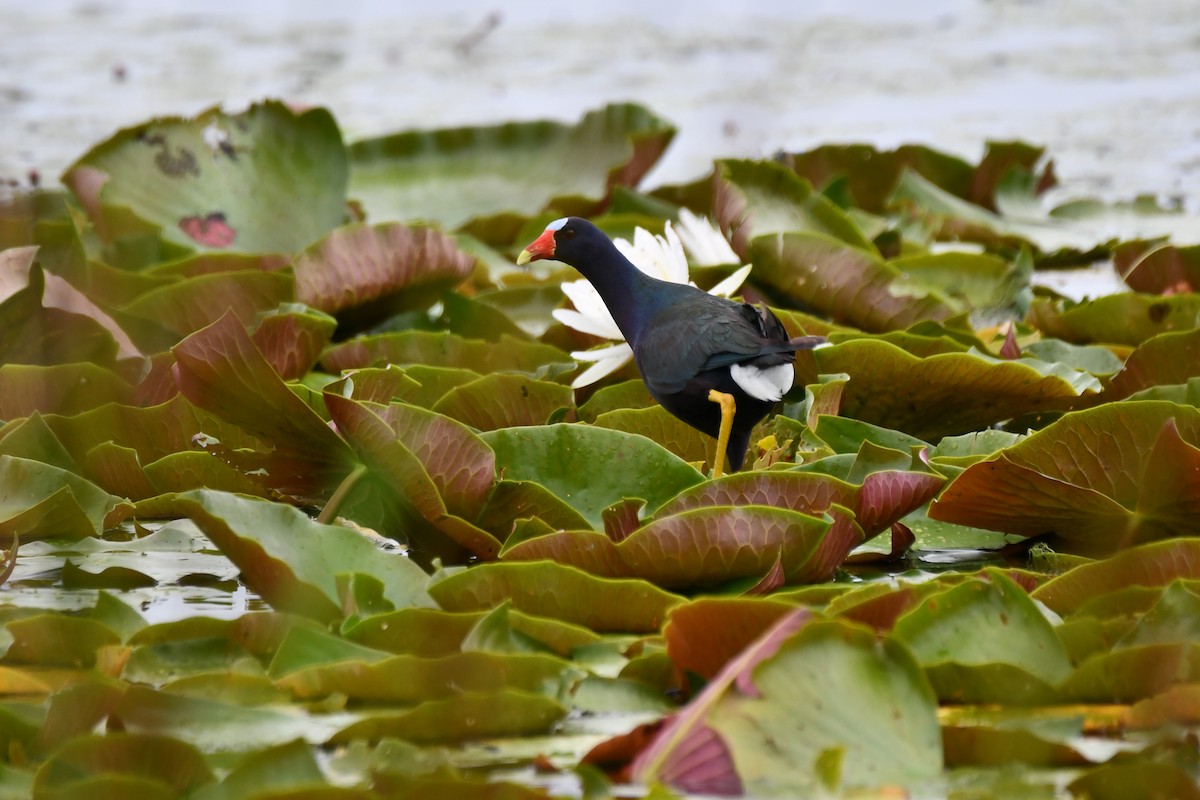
x=571, y=240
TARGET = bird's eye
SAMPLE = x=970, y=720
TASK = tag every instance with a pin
x=567, y=232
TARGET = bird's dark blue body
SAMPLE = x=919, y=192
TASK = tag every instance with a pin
x=685, y=341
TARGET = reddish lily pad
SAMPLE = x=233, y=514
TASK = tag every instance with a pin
x=705, y=634
x=883, y=497
x=220, y=369
x=221, y=180
x=850, y=284
x=363, y=274
x=437, y=470
x=1161, y=269
x=291, y=338
x=708, y=545
x=1127, y=480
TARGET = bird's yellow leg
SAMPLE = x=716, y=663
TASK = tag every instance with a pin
x=727, y=411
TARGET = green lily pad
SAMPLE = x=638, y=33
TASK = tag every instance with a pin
x=221, y=180
x=487, y=180
x=43, y=501
x=949, y=393
x=1128, y=319
x=446, y=350
x=509, y=712
x=591, y=468
x=1150, y=565
x=58, y=389
x=194, y=303
x=1165, y=359
x=153, y=766
x=656, y=423
x=988, y=641
x=557, y=591
x=291, y=560
x=755, y=198
x=505, y=400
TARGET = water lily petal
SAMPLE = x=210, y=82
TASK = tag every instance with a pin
x=731, y=284
x=585, y=298
x=661, y=257
x=601, y=369
x=606, y=329
x=618, y=350
x=703, y=241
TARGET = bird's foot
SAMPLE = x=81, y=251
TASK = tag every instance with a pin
x=728, y=408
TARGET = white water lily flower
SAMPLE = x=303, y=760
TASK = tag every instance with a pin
x=658, y=256
x=704, y=242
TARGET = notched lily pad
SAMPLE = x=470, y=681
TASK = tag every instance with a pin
x=221, y=181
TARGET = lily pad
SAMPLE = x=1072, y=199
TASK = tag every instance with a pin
x=949, y=393
x=708, y=545
x=591, y=468
x=446, y=350
x=505, y=400
x=560, y=592
x=755, y=198
x=291, y=560
x=851, y=285
x=220, y=181
x=363, y=274
x=487, y=180
x=1126, y=481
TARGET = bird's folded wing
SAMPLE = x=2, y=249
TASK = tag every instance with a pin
x=686, y=340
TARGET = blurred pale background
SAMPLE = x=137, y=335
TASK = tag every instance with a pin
x=1111, y=87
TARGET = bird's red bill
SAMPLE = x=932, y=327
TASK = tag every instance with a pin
x=541, y=247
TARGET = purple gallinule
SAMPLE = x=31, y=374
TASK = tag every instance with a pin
x=718, y=365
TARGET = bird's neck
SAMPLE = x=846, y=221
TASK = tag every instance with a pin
x=632, y=297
